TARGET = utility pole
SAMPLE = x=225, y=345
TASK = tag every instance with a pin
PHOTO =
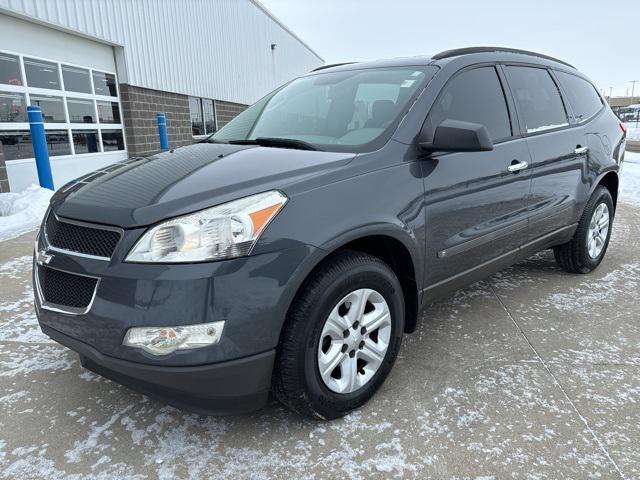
x=610, y=91
x=633, y=86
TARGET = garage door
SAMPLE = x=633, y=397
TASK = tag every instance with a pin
x=74, y=81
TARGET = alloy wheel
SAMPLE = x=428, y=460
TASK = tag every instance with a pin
x=598, y=230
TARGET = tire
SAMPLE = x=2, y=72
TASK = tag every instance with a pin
x=575, y=255
x=297, y=380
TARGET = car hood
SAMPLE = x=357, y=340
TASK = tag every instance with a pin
x=143, y=191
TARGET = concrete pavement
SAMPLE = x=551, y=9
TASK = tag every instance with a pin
x=532, y=373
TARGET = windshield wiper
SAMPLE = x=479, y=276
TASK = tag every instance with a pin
x=277, y=142
x=210, y=139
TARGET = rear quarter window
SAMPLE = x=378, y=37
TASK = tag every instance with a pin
x=583, y=98
x=538, y=99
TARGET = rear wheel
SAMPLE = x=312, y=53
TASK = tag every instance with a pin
x=584, y=252
x=341, y=338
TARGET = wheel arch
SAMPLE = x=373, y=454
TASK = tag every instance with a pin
x=392, y=247
x=611, y=182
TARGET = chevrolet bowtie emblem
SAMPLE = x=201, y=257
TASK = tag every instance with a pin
x=43, y=257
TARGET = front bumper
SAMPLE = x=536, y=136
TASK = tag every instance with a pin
x=251, y=294
x=236, y=386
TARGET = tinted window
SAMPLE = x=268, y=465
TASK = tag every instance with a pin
x=474, y=96
x=81, y=111
x=112, y=140
x=16, y=144
x=41, y=74
x=108, y=112
x=12, y=107
x=10, y=70
x=583, y=98
x=76, y=79
x=58, y=142
x=104, y=84
x=537, y=97
x=52, y=107
x=85, y=141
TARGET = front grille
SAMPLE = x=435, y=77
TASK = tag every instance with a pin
x=81, y=239
x=66, y=289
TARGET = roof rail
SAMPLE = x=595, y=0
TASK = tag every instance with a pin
x=468, y=50
x=331, y=65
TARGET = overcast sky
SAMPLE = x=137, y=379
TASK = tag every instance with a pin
x=601, y=38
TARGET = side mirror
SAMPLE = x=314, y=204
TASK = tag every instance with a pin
x=457, y=136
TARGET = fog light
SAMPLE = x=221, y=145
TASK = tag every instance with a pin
x=165, y=340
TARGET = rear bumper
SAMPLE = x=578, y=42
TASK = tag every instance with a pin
x=235, y=386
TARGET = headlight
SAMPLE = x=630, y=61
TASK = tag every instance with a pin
x=227, y=231
x=166, y=340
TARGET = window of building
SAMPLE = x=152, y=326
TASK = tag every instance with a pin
x=58, y=142
x=474, y=96
x=195, y=110
x=112, y=140
x=10, y=69
x=203, y=116
x=81, y=110
x=41, y=74
x=16, y=144
x=583, y=98
x=108, y=112
x=12, y=107
x=76, y=79
x=85, y=141
x=52, y=107
x=209, y=114
x=538, y=98
x=104, y=84
x=73, y=121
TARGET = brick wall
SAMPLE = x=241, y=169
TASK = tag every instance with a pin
x=4, y=180
x=227, y=111
x=139, y=109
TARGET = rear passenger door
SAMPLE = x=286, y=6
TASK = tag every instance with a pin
x=556, y=148
x=476, y=207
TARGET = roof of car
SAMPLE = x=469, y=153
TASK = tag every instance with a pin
x=481, y=53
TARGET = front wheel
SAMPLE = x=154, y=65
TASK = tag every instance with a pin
x=341, y=337
x=584, y=252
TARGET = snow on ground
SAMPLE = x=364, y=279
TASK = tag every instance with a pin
x=22, y=212
x=630, y=180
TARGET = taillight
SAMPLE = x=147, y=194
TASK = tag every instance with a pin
x=623, y=128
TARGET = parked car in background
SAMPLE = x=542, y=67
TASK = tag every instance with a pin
x=292, y=250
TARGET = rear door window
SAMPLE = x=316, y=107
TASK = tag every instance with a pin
x=538, y=99
x=473, y=96
x=583, y=98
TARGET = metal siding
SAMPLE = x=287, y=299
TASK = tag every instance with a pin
x=216, y=49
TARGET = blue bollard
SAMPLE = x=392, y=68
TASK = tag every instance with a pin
x=39, y=140
x=162, y=131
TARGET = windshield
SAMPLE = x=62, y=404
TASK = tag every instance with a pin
x=352, y=110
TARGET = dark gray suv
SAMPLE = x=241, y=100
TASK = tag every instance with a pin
x=291, y=250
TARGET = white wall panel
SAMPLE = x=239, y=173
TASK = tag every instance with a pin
x=209, y=48
x=28, y=38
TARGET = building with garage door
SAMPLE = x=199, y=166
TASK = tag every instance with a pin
x=102, y=69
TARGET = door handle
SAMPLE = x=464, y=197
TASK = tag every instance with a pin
x=516, y=166
x=581, y=150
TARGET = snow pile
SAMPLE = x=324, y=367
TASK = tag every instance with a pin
x=630, y=181
x=22, y=212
